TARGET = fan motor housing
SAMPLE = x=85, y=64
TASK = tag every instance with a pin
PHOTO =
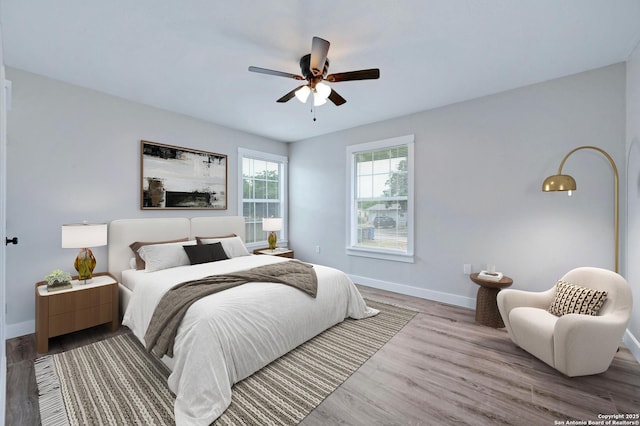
x=305, y=67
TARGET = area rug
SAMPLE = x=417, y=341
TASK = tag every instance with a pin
x=115, y=381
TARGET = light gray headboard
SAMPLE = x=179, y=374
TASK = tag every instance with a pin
x=123, y=232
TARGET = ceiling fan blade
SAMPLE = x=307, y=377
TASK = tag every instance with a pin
x=319, y=51
x=370, y=74
x=289, y=95
x=336, y=98
x=276, y=73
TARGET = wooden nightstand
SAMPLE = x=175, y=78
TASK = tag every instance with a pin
x=77, y=308
x=281, y=252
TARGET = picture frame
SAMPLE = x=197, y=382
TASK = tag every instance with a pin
x=177, y=178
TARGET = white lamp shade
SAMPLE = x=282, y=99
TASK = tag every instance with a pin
x=323, y=90
x=83, y=235
x=318, y=100
x=303, y=94
x=272, y=224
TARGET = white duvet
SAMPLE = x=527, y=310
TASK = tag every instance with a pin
x=228, y=336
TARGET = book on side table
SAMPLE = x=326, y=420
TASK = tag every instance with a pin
x=490, y=276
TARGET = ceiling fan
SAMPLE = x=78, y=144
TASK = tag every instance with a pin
x=314, y=67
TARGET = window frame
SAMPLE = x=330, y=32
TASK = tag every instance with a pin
x=352, y=248
x=284, y=183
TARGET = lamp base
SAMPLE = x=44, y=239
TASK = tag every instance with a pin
x=272, y=239
x=84, y=264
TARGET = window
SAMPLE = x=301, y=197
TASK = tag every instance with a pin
x=381, y=209
x=262, y=180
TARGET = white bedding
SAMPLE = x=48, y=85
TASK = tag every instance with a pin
x=130, y=278
x=228, y=336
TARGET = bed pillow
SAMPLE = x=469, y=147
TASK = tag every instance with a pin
x=233, y=246
x=199, y=239
x=164, y=256
x=205, y=253
x=138, y=244
x=573, y=299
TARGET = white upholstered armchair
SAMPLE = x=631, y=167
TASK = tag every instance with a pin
x=572, y=343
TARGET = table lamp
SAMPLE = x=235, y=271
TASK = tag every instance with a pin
x=272, y=225
x=83, y=236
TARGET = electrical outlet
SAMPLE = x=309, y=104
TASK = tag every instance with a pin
x=317, y=249
x=466, y=268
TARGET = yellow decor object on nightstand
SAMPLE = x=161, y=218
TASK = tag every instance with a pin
x=85, y=263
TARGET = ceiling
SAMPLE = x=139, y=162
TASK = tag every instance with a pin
x=191, y=56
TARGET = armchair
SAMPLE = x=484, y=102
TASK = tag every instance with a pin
x=574, y=344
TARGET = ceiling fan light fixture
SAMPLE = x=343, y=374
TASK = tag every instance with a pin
x=318, y=100
x=303, y=94
x=323, y=90
x=314, y=68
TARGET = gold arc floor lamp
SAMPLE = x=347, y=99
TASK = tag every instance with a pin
x=560, y=182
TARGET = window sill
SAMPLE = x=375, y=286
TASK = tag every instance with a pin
x=381, y=254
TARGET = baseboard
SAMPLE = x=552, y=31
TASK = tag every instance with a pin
x=20, y=329
x=451, y=299
x=633, y=344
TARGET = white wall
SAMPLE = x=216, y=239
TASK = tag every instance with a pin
x=479, y=171
x=633, y=195
x=74, y=154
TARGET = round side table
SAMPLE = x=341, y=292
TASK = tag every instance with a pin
x=486, y=301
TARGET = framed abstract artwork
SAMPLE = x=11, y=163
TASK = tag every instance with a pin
x=173, y=177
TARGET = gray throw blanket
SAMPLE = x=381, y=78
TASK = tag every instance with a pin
x=168, y=315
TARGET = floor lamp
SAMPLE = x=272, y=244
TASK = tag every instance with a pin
x=560, y=182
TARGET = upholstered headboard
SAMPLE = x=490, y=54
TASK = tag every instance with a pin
x=217, y=226
x=123, y=232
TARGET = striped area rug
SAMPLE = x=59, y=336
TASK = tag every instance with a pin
x=116, y=382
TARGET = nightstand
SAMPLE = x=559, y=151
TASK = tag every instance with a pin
x=281, y=252
x=82, y=306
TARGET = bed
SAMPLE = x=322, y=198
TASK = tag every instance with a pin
x=227, y=336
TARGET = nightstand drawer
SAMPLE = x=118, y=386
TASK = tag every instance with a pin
x=79, y=319
x=79, y=300
x=79, y=307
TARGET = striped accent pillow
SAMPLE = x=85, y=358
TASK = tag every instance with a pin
x=573, y=299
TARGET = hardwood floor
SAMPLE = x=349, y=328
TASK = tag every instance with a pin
x=441, y=369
